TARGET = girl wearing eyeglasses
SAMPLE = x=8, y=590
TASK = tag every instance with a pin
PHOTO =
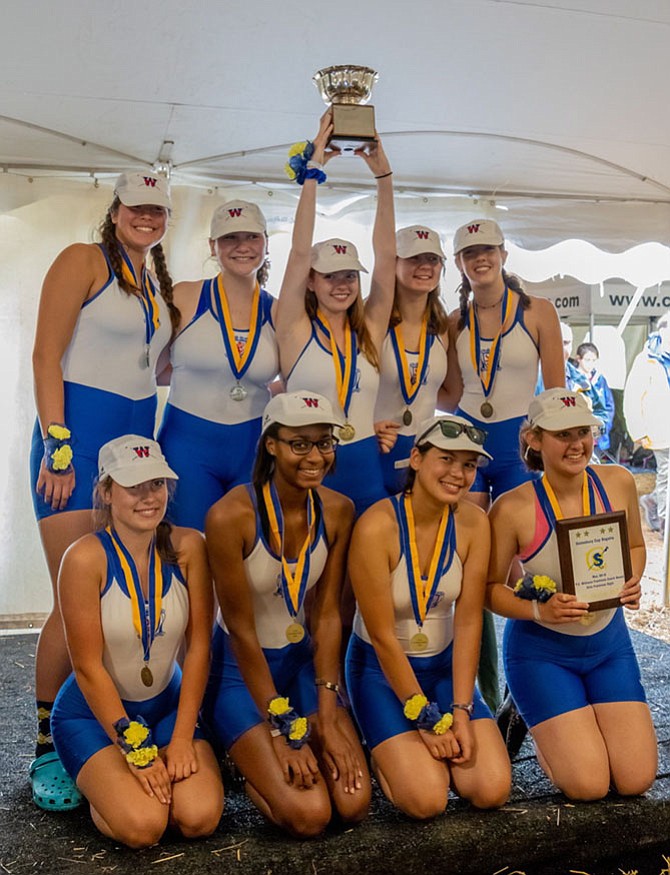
x=277, y=551
x=418, y=567
x=572, y=673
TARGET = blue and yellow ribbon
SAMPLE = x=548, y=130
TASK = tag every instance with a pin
x=293, y=584
x=343, y=362
x=488, y=373
x=239, y=362
x=410, y=389
x=148, y=296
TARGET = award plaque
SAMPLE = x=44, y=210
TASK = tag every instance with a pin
x=347, y=89
x=595, y=558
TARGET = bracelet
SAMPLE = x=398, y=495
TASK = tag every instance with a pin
x=427, y=715
x=320, y=682
x=299, y=165
x=384, y=175
x=134, y=739
x=463, y=707
x=535, y=587
x=57, y=449
x=536, y=611
x=275, y=733
x=294, y=728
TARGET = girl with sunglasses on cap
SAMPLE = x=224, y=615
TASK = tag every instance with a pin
x=103, y=321
x=329, y=340
x=414, y=352
x=277, y=550
x=133, y=595
x=223, y=356
x=418, y=567
x=572, y=673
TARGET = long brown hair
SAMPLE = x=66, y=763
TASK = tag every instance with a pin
x=356, y=317
x=108, y=238
x=438, y=318
x=465, y=289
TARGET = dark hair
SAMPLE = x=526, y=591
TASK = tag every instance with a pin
x=465, y=289
x=102, y=517
x=264, y=463
x=583, y=348
x=356, y=317
x=532, y=459
x=410, y=476
x=438, y=318
x=109, y=240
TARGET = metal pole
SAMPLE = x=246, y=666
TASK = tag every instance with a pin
x=666, y=546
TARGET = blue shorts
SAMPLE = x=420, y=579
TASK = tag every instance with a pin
x=77, y=734
x=358, y=473
x=395, y=478
x=228, y=709
x=210, y=458
x=378, y=711
x=550, y=673
x=94, y=417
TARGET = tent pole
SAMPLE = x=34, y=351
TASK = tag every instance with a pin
x=666, y=547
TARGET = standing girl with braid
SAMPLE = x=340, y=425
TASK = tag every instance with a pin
x=102, y=324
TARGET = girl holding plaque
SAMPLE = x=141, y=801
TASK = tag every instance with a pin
x=103, y=321
x=418, y=567
x=329, y=340
x=133, y=595
x=498, y=339
x=222, y=358
x=277, y=550
x=572, y=673
x=414, y=353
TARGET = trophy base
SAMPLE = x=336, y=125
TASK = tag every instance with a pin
x=353, y=126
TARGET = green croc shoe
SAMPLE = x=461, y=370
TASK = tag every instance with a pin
x=53, y=788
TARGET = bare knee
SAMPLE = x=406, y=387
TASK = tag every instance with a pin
x=305, y=817
x=583, y=788
x=354, y=807
x=492, y=795
x=141, y=830
x=420, y=803
x=196, y=823
x=634, y=785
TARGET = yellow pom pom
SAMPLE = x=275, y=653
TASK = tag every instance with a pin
x=414, y=705
x=297, y=149
x=518, y=586
x=62, y=458
x=443, y=724
x=289, y=171
x=135, y=734
x=541, y=581
x=143, y=756
x=279, y=706
x=298, y=729
x=60, y=432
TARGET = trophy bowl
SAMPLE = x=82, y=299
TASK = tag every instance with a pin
x=345, y=84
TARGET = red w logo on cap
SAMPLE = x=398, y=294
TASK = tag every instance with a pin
x=569, y=402
x=235, y=212
x=340, y=249
x=311, y=402
x=150, y=181
x=422, y=235
x=472, y=229
x=142, y=452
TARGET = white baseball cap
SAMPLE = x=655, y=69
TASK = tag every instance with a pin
x=335, y=254
x=450, y=432
x=417, y=239
x=295, y=409
x=559, y=408
x=145, y=187
x=133, y=459
x=479, y=232
x=237, y=216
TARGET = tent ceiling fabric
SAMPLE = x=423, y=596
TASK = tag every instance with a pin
x=553, y=108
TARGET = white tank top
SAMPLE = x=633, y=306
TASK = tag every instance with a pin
x=108, y=346
x=263, y=571
x=516, y=377
x=390, y=402
x=314, y=371
x=201, y=375
x=123, y=656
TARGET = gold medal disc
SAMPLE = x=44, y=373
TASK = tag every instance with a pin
x=347, y=432
x=146, y=676
x=295, y=633
x=418, y=642
x=407, y=417
x=486, y=410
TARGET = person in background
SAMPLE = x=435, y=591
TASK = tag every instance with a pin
x=587, y=361
x=646, y=405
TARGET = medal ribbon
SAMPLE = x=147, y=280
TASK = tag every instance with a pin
x=148, y=297
x=550, y=505
x=145, y=626
x=422, y=590
x=487, y=377
x=411, y=390
x=293, y=584
x=239, y=363
x=344, y=363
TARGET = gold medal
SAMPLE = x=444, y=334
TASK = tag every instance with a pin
x=418, y=642
x=407, y=417
x=486, y=410
x=146, y=676
x=295, y=633
x=347, y=432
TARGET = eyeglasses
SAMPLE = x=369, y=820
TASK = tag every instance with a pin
x=451, y=430
x=303, y=447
